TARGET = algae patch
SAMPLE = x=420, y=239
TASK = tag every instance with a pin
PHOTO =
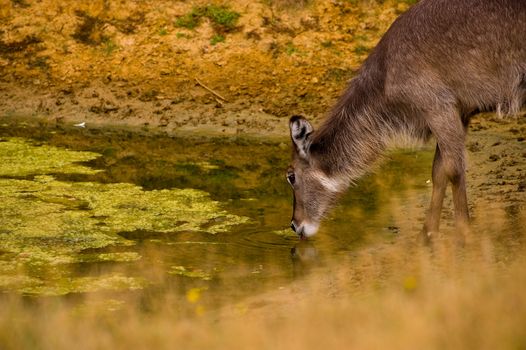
x=65, y=286
x=191, y=273
x=286, y=233
x=111, y=257
x=48, y=224
x=21, y=158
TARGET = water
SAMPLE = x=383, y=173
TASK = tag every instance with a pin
x=117, y=223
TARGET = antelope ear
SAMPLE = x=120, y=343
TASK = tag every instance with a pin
x=300, y=132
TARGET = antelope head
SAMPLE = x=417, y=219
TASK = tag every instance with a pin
x=314, y=191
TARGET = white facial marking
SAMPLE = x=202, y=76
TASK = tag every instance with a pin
x=331, y=185
x=310, y=229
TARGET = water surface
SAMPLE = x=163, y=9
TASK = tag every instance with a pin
x=113, y=211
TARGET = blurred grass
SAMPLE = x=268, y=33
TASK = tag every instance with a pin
x=402, y=296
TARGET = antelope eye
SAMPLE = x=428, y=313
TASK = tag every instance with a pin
x=291, y=178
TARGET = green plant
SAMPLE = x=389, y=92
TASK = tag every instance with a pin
x=361, y=37
x=109, y=46
x=361, y=49
x=338, y=74
x=290, y=49
x=221, y=16
x=218, y=38
x=223, y=19
x=189, y=21
x=163, y=31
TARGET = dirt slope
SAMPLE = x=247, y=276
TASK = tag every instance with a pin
x=244, y=68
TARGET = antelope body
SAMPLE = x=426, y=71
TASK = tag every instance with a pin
x=439, y=63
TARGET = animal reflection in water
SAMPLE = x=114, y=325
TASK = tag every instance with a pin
x=304, y=256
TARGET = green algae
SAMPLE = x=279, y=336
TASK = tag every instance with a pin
x=21, y=158
x=286, y=233
x=114, y=282
x=48, y=224
x=109, y=257
x=18, y=282
x=191, y=273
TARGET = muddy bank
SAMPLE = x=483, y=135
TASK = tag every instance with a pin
x=233, y=67
x=497, y=163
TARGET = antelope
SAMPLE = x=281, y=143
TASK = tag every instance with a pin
x=439, y=63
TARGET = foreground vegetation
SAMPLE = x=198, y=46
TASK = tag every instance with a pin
x=447, y=299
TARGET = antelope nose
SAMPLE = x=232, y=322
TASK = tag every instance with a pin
x=293, y=226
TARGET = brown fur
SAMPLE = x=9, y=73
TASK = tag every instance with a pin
x=437, y=65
